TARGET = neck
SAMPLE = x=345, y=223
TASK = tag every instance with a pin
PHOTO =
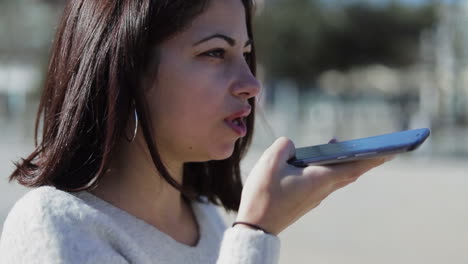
x=133, y=184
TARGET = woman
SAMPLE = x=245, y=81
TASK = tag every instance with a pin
x=147, y=110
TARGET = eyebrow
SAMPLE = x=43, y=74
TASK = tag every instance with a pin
x=229, y=40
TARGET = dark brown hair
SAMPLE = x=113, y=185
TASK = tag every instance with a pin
x=99, y=59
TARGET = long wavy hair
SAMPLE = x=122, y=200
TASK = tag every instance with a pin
x=100, y=56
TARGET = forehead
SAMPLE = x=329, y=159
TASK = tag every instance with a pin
x=221, y=16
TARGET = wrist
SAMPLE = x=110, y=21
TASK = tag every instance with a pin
x=248, y=225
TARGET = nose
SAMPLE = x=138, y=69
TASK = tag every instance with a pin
x=246, y=86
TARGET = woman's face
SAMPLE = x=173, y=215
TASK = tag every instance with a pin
x=199, y=99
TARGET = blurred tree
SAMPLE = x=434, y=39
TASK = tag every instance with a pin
x=27, y=29
x=299, y=39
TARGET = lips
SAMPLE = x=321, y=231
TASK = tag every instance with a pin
x=237, y=121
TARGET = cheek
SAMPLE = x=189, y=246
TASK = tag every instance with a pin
x=192, y=102
x=189, y=111
x=194, y=92
x=188, y=104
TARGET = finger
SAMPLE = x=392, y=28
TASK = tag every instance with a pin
x=281, y=150
x=333, y=140
x=342, y=184
x=389, y=158
x=350, y=171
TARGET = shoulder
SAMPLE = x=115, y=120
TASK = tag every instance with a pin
x=42, y=197
x=41, y=204
x=46, y=205
x=51, y=225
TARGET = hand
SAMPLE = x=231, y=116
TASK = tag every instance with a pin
x=276, y=193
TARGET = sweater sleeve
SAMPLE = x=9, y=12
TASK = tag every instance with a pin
x=246, y=246
x=37, y=232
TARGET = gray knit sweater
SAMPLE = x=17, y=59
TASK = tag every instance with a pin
x=51, y=226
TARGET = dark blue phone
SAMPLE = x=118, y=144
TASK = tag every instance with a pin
x=363, y=148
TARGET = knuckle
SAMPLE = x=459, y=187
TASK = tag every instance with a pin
x=353, y=179
x=376, y=162
x=318, y=170
x=350, y=175
x=356, y=175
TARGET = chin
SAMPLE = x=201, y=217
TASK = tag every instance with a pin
x=211, y=155
x=220, y=151
x=223, y=153
x=222, y=156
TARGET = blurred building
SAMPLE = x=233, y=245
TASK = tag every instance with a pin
x=378, y=98
x=445, y=52
x=27, y=33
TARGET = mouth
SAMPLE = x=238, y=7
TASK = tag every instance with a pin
x=237, y=122
x=238, y=126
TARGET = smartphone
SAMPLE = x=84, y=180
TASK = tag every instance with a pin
x=363, y=148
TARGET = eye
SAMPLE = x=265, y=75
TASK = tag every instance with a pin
x=216, y=53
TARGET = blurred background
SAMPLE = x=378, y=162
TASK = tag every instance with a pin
x=330, y=68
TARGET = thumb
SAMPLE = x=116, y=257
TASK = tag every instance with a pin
x=281, y=150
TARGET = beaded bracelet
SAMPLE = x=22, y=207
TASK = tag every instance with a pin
x=252, y=226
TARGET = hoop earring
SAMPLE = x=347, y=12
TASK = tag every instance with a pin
x=136, y=128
